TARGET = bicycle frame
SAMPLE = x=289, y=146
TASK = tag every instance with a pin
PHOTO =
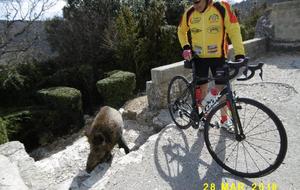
x=185, y=112
x=230, y=100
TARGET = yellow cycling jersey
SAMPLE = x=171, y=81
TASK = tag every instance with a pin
x=209, y=30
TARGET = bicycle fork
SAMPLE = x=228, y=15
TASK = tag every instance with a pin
x=238, y=129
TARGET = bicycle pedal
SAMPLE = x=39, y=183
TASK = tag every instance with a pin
x=195, y=125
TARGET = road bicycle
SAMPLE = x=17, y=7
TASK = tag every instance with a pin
x=258, y=144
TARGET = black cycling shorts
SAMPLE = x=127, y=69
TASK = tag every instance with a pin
x=202, y=68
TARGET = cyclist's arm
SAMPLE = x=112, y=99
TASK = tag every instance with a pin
x=233, y=29
x=182, y=31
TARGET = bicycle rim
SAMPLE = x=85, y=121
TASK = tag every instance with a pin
x=263, y=149
x=180, y=102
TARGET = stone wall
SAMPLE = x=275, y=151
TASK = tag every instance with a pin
x=161, y=76
x=285, y=18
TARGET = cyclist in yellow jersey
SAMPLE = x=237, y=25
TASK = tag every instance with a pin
x=209, y=24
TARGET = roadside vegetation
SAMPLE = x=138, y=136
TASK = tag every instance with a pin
x=103, y=48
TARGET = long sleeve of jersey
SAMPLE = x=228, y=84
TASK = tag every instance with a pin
x=182, y=31
x=233, y=29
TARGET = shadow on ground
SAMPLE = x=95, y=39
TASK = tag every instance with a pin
x=179, y=164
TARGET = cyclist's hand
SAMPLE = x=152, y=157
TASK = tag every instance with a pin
x=187, y=54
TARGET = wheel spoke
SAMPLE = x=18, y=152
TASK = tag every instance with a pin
x=263, y=147
x=260, y=147
x=245, y=157
x=264, y=132
x=265, y=140
x=251, y=120
x=226, y=159
x=257, y=125
x=180, y=101
x=224, y=148
x=237, y=156
x=252, y=158
x=258, y=153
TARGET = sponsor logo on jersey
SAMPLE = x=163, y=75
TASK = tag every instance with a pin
x=214, y=29
x=212, y=49
x=214, y=18
x=195, y=20
x=195, y=30
x=197, y=49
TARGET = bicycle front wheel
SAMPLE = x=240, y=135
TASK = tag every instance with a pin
x=262, y=147
x=180, y=101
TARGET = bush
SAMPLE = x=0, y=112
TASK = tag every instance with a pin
x=14, y=87
x=81, y=77
x=19, y=82
x=61, y=98
x=35, y=126
x=3, y=132
x=117, y=88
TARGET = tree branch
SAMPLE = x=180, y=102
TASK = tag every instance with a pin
x=14, y=16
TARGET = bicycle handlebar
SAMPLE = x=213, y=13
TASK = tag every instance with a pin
x=235, y=66
x=252, y=69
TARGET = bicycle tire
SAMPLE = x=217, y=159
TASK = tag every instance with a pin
x=259, y=111
x=180, y=100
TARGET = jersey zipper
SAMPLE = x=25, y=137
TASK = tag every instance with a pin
x=203, y=35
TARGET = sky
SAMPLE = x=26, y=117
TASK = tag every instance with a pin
x=55, y=10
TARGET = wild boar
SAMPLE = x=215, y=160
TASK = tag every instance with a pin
x=103, y=134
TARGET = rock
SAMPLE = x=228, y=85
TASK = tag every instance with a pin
x=264, y=28
x=162, y=119
x=17, y=155
x=134, y=107
x=10, y=178
x=136, y=134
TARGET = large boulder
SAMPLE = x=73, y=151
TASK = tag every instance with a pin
x=10, y=176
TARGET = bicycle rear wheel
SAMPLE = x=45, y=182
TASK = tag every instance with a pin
x=180, y=102
x=259, y=152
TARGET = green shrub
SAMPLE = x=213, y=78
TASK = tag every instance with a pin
x=35, y=126
x=19, y=82
x=82, y=77
x=3, y=132
x=62, y=98
x=117, y=88
x=14, y=87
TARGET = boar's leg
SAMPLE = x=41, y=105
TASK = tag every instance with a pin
x=122, y=144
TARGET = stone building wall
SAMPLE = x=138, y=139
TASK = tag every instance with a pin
x=285, y=19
